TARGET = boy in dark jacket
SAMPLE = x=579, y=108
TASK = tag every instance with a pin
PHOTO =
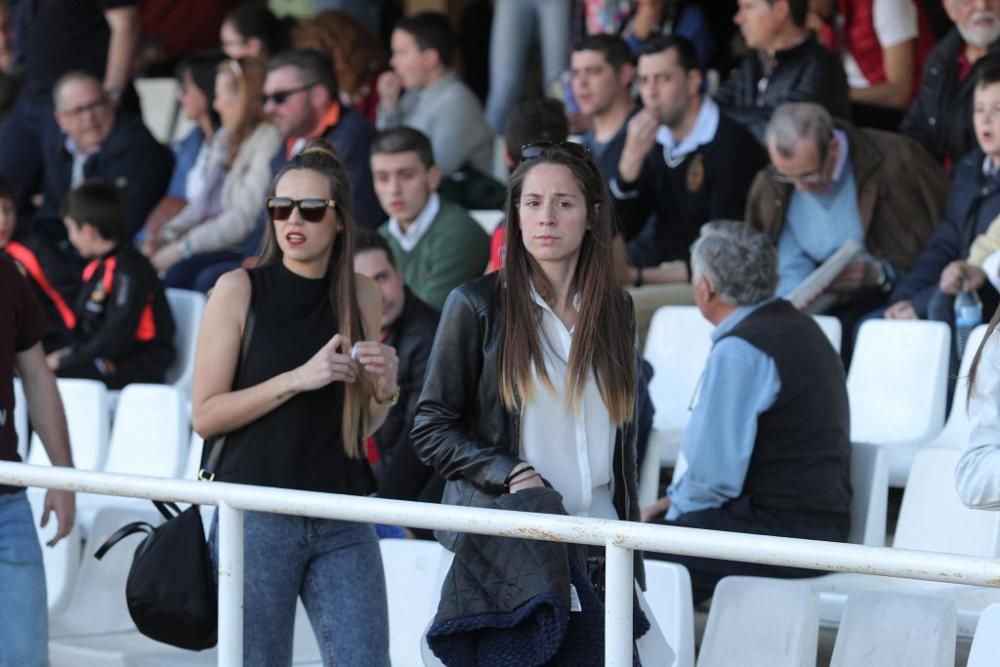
x=928, y=291
x=124, y=328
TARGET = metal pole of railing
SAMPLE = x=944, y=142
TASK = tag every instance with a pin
x=618, y=591
x=230, y=586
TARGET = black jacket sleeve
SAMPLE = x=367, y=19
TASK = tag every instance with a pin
x=443, y=432
x=635, y=200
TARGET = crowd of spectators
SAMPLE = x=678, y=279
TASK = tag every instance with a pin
x=799, y=118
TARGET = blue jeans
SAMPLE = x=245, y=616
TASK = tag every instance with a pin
x=24, y=621
x=335, y=566
x=517, y=24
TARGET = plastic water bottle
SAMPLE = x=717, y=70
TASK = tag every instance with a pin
x=968, y=316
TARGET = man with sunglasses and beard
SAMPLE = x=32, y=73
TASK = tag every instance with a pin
x=301, y=97
x=829, y=183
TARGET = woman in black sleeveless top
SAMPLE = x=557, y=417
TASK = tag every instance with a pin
x=305, y=399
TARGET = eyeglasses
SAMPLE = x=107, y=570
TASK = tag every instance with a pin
x=809, y=178
x=281, y=96
x=311, y=210
x=535, y=149
x=814, y=177
x=76, y=112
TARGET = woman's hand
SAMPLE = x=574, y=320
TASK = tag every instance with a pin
x=382, y=366
x=332, y=363
x=167, y=256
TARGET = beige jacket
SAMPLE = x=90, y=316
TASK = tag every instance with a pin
x=985, y=244
x=243, y=192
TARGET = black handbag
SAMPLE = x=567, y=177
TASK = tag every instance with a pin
x=171, y=588
x=171, y=591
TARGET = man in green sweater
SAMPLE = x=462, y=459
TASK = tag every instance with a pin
x=435, y=242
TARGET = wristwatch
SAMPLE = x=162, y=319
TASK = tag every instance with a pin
x=884, y=284
x=392, y=400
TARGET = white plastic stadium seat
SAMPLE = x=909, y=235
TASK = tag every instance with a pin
x=958, y=428
x=766, y=622
x=411, y=569
x=677, y=346
x=890, y=629
x=150, y=433
x=649, y=473
x=986, y=644
x=488, y=219
x=187, y=307
x=897, y=386
x=149, y=437
x=21, y=419
x=831, y=328
x=85, y=403
x=193, y=464
x=931, y=518
x=870, y=494
x=668, y=594
x=62, y=560
x=97, y=603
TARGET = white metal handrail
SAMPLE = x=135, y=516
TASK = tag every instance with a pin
x=619, y=538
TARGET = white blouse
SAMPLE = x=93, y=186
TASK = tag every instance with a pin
x=977, y=476
x=572, y=450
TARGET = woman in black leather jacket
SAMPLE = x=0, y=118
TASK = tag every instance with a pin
x=532, y=375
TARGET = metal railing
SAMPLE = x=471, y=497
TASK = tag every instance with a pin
x=619, y=538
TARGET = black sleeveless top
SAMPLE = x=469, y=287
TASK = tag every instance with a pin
x=299, y=444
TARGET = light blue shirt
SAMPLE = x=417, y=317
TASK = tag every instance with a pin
x=816, y=225
x=738, y=384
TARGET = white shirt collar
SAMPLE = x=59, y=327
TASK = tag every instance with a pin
x=703, y=132
x=544, y=305
x=989, y=169
x=409, y=239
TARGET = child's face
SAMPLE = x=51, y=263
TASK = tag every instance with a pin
x=7, y=220
x=81, y=236
x=986, y=118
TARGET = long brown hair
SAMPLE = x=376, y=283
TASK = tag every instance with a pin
x=321, y=158
x=246, y=75
x=600, y=342
x=979, y=353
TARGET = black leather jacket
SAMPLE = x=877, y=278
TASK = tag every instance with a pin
x=806, y=72
x=400, y=475
x=462, y=429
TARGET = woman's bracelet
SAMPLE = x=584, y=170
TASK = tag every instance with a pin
x=524, y=479
x=516, y=473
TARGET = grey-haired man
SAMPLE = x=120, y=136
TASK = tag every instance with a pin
x=768, y=446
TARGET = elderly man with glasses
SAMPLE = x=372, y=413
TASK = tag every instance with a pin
x=829, y=183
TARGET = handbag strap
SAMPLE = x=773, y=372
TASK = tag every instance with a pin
x=167, y=508
x=215, y=453
x=122, y=533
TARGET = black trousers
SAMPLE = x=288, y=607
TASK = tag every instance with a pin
x=741, y=516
